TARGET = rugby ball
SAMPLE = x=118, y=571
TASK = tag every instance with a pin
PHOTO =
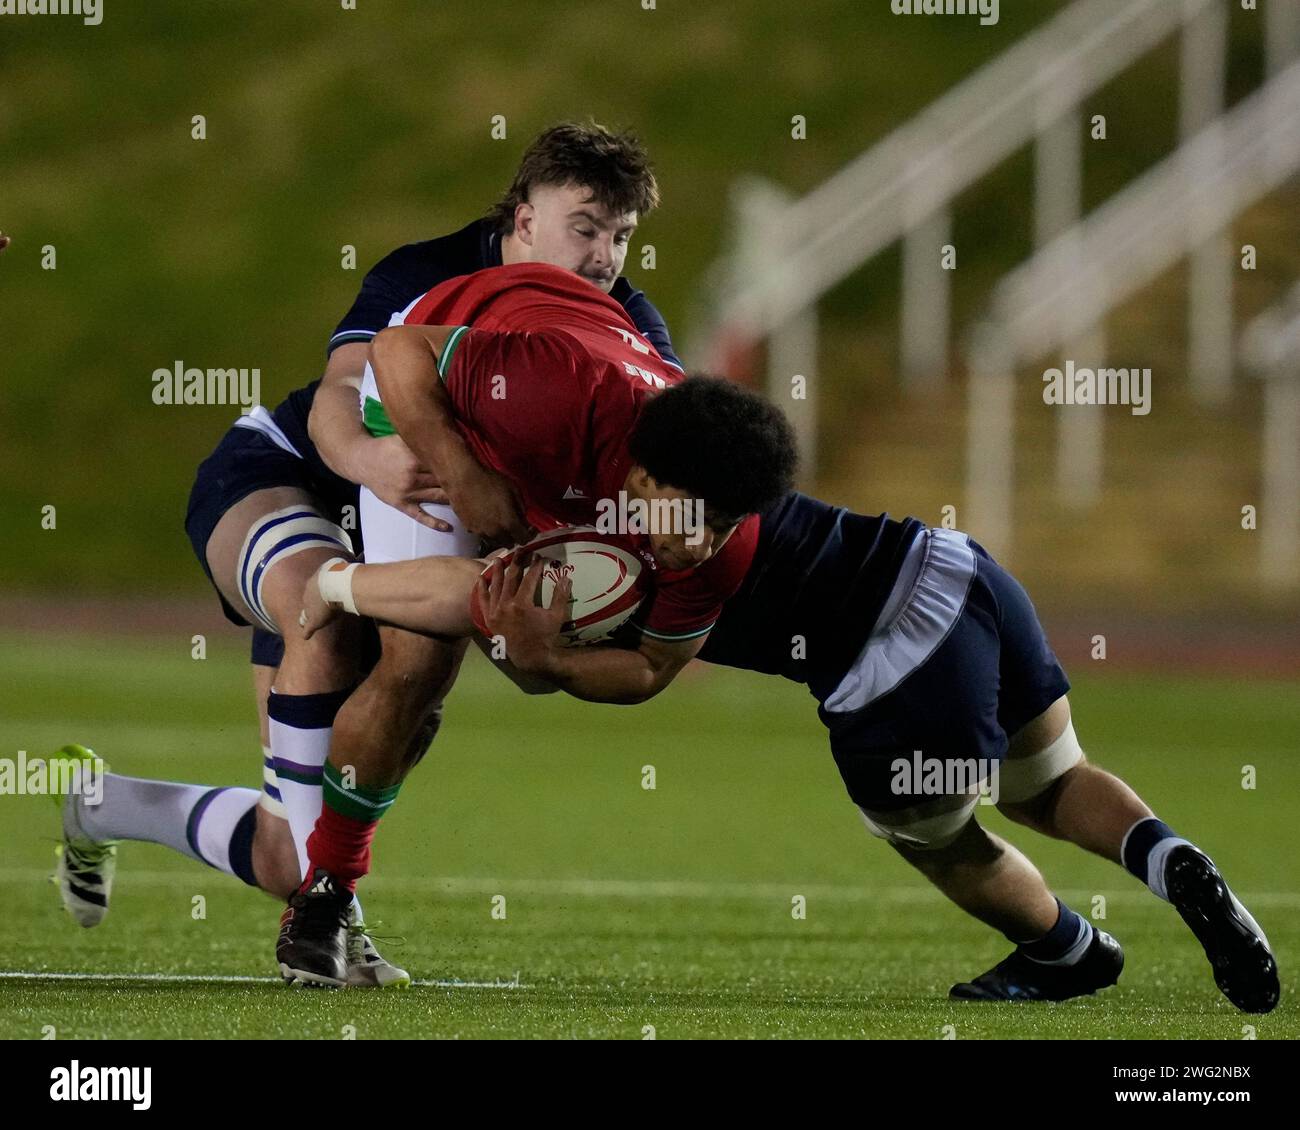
x=608, y=578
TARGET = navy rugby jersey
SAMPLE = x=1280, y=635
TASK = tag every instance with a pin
x=405, y=274
x=820, y=572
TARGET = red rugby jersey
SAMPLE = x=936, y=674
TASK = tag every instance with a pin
x=547, y=382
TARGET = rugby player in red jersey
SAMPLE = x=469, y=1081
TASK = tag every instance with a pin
x=521, y=388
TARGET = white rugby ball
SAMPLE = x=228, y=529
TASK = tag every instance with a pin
x=607, y=579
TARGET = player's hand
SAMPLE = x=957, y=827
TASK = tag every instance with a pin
x=508, y=598
x=488, y=505
x=316, y=613
x=390, y=471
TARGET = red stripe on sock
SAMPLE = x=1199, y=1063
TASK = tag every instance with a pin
x=341, y=845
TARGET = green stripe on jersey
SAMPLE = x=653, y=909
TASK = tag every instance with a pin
x=449, y=349
x=376, y=418
x=676, y=638
x=373, y=413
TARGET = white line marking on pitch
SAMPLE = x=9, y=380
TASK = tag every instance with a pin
x=226, y=979
x=655, y=888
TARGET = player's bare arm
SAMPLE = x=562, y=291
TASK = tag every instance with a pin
x=428, y=594
x=384, y=464
x=432, y=595
x=405, y=363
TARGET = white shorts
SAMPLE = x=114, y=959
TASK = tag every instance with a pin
x=389, y=535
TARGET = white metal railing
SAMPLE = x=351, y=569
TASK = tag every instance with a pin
x=785, y=257
x=1061, y=294
x=1270, y=347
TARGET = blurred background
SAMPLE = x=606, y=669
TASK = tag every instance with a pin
x=815, y=161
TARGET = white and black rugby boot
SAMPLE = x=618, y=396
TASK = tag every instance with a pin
x=367, y=967
x=84, y=867
x=312, y=948
x=1020, y=978
x=1244, y=967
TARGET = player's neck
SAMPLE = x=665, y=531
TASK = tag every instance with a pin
x=512, y=251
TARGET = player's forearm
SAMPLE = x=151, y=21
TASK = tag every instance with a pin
x=429, y=594
x=418, y=405
x=601, y=674
x=336, y=428
x=529, y=684
x=335, y=423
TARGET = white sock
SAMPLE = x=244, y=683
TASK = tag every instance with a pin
x=1156, y=864
x=300, y=729
x=271, y=787
x=1145, y=849
x=203, y=822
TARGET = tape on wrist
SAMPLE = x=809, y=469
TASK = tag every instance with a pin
x=334, y=579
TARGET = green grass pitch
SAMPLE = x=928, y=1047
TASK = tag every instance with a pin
x=627, y=909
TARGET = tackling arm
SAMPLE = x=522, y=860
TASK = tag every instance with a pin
x=384, y=464
x=335, y=424
x=427, y=594
x=431, y=595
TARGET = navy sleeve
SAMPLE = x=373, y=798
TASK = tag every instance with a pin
x=387, y=288
x=646, y=319
x=391, y=285
x=400, y=278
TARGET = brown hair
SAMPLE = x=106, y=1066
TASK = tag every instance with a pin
x=614, y=166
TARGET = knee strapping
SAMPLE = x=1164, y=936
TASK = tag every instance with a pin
x=1022, y=778
x=274, y=538
x=924, y=827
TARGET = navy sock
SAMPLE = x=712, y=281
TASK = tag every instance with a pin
x=1145, y=850
x=1141, y=838
x=241, y=847
x=307, y=711
x=219, y=828
x=1065, y=942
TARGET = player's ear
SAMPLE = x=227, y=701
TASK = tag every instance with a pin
x=640, y=483
x=525, y=218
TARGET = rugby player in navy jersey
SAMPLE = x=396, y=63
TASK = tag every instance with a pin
x=271, y=503
x=920, y=650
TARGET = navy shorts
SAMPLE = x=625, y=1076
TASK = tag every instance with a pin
x=958, y=663
x=243, y=462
